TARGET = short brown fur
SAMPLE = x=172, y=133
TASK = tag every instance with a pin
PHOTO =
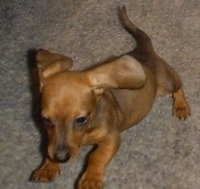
x=94, y=106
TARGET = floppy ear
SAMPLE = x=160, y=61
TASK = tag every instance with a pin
x=123, y=73
x=50, y=63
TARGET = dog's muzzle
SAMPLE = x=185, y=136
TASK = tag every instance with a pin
x=62, y=154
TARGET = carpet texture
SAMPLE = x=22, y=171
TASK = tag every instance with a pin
x=159, y=153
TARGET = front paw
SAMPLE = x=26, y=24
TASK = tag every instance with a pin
x=91, y=182
x=48, y=172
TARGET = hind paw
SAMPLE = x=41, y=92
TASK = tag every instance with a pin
x=181, y=110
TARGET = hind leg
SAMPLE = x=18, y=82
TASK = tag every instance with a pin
x=170, y=83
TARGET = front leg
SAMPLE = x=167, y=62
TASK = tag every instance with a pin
x=47, y=172
x=98, y=160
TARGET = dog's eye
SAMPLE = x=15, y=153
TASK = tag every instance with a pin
x=81, y=120
x=47, y=122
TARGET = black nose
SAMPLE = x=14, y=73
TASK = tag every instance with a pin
x=62, y=154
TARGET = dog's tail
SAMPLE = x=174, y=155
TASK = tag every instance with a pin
x=142, y=39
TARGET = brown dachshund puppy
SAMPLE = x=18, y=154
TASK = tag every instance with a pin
x=94, y=106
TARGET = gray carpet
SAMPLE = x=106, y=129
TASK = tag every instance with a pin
x=159, y=153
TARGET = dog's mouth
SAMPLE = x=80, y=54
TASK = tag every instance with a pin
x=60, y=154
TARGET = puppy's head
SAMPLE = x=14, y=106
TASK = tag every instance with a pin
x=69, y=98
